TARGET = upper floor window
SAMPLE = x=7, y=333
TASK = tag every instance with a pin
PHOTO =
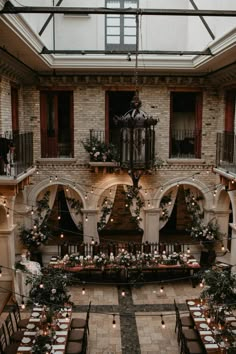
x=185, y=124
x=121, y=29
x=56, y=115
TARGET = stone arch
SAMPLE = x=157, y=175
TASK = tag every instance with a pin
x=201, y=187
x=39, y=187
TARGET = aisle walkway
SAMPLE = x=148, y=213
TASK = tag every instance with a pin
x=137, y=316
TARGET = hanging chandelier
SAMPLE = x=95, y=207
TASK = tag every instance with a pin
x=137, y=133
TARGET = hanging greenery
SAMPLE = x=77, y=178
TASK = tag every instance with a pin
x=132, y=196
x=77, y=205
x=33, y=237
x=105, y=210
x=166, y=200
x=100, y=151
x=207, y=233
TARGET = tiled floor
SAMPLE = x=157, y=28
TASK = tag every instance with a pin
x=137, y=316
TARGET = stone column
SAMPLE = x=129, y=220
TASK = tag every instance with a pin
x=151, y=224
x=90, y=225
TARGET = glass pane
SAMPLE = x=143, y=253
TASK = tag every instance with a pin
x=113, y=22
x=130, y=3
x=130, y=31
x=113, y=16
x=113, y=3
x=129, y=40
x=113, y=30
x=129, y=22
x=113, y=39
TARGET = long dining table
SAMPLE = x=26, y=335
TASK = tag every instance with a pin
x=58, y=330
x=213, y=340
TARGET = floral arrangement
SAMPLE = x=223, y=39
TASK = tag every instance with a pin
x=50, y=288
x=42, y=344
x=101, y=260
x=207, y=233
x=33, y=237
x=100, y=151
x=124, y=258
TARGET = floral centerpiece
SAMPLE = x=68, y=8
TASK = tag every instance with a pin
x=42, y=344
x=124, y=258
x=100, y=260
x=100, y=151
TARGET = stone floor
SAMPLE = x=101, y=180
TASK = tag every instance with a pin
x=137, y=315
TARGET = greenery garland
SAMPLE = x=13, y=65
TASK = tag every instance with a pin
x=166, y=200
x=131, y=195
x=105, y=210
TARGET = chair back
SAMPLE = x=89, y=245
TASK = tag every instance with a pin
x=9, y=325
x=3, y=339
x=87, y=317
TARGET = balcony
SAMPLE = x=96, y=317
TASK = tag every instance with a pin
x=185, y=144
x=16, y=154
x=226, y=151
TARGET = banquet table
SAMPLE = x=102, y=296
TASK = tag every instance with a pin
x=37, y=326
x=210, y=336
x=127, y=273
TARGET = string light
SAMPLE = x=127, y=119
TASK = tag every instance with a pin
x=162, y=322
x=41, y=286
x=59, y=217
x=123, y=293
x=162, y=289
x=32, y=211
x=86, y=196
x=201, y=284
x=62, y=235
x=208, y=319
x=50, y=179
x=83, y=291
x=55, y=178
x=188, y=250
x=8, y=214
x=92, y=241
x=222, y=247
x=22, y=303
x=86, y=218
x=114, y=321
x=91, y=190
x=0, y=272
x=4, y=203
x=149, y=204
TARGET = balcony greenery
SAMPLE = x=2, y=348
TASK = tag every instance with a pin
x=100, y=151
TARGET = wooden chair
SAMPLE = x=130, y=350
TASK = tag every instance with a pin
x=181, y=321
x=192, y=347
x=5, y=346
x=81, y=323
x=15, y=336
x=20, y=323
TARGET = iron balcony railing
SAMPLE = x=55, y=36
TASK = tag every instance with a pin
x=226, y=151
x=16, y=153
x=185, y=143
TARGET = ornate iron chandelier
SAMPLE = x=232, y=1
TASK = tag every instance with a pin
x=137, y=134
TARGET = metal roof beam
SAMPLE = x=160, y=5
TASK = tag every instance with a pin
x=129, y=53
x=11, y=9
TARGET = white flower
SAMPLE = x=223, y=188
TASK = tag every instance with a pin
x=54, y=291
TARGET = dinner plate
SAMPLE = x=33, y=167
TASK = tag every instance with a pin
x=63, y=326
x=197, y=313
x=61, y=339
x=58, y=352
x=209, y=339
x=35, y=314
x=191, y=303
x=233, y=324
x=204, y=325
x=26, y=340
x=30, y=326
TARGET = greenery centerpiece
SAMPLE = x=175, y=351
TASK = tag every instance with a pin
x=42, y=344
